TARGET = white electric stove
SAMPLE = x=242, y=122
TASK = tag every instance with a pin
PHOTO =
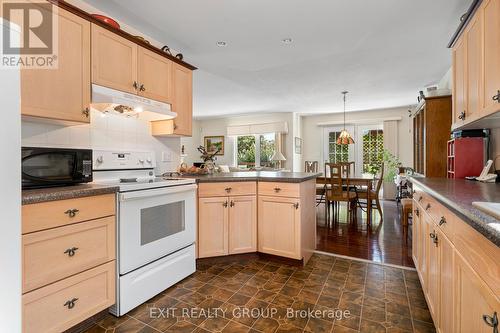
x=156, y=225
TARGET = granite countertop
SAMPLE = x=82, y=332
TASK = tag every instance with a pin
x=65, y=192
x=458, y=194
x=261, y=176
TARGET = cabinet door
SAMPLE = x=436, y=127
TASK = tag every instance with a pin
x=242, y=224
x=183, y=100
x=459, y=84
x=416, y=235
x=474, y=62
x=114, y=60
x=491, y=65
x=432, y=289
x=62, y=93
x=279, y=226
x=213, y=217
x=424, y=249
x=154, y=76
x=446, y=267
x=473, y=300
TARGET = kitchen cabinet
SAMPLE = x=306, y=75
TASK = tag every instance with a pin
x=476, y=66
x=154, y=76
x=114, y=61
x=182, y=98
x=68, y=261
x=213, y=225
x=227, y=224
x=491, y=58
x=458, y=268
x=279, y=226
x=475, y=303
x=61, y=94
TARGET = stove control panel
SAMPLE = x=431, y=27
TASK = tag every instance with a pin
x=121, y=160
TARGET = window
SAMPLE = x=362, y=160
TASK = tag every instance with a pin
x=249, y=154
x=373, y=148
x=337, y=153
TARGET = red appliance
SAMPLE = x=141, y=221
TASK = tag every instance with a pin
x=465, y=157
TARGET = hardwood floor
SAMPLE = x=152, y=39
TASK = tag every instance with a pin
x=384, y=242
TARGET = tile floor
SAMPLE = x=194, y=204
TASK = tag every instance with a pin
x=378, y=299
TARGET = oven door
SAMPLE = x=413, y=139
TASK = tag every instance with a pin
x=154, y=223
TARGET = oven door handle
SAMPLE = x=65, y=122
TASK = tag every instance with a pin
x=156, y=192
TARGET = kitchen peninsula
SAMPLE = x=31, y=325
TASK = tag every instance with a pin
x=265, y=212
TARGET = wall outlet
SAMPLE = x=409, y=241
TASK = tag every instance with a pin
x=166, y=156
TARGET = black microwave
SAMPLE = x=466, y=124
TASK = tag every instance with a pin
x=46, y=167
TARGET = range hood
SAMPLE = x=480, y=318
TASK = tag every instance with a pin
x=107, y=100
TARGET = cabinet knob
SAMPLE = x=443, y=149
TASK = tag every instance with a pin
x=434, y=237
x=497, y=96
x=492, y=321
x=231, y=204
x=417, y=212
x=277, y=189
x=442, y=221
x=86, y=112
x=175, y=126
x=296, y=205
x=71, y=212
x=462, y=115
x=71, y=251
x=428, y=206
x=225, y=204
x=71, y=303
x=135, y=85
x=142, y=88
x=420, y=198
x=228, y=189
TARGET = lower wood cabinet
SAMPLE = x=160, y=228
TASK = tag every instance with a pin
x=279, y=226
x=458, y=270
x=227, y=225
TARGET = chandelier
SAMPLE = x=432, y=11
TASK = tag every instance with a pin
x=344, y=138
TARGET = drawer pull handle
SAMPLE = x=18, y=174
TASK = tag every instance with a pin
x=86, y=112
x=497, y=96
x=142, y=88
x=434, y=238
x=228, y=189
x=135, y=85
x=71, y=212
x=71, y=252
x=277, y=189
x=420, y=198
x=417, y=212
x=225, y=204
x=71, y=303
x=492, y=321
x=231, y=204
x=428, y=206
x=442, y=221
x=296, y=205
x=462, y=115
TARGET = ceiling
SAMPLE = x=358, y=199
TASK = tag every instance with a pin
x=382, y=51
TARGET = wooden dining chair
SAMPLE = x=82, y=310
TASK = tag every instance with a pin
x=337, y=190
x=311, y=166
x=374, y=192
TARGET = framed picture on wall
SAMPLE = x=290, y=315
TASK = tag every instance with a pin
x=213, y=143
x=298, y=145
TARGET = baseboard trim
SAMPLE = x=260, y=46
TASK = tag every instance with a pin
x=364, y=260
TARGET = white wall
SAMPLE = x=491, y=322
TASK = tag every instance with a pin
x=111, y=132
x=312, y=132
x=218, y=126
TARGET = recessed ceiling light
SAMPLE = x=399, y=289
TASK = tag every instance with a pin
x=286, y=40
x=221, y=43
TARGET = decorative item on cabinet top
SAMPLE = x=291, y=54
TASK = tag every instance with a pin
x=108, y=20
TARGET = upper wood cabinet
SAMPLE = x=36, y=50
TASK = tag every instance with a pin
x=491, y=61
x=154, y=76
x=476, y=66
x=61, y=94
x=114, y=60
x=182, y=87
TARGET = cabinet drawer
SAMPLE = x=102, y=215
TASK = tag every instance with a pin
x=44, y=309
x=47, y=255
x=226, y=189
x=52, y=214
x=291, y=190
x=439, y=214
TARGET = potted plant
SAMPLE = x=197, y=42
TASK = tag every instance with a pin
x=391, y=166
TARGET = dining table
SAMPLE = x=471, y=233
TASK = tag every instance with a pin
x=364, y=180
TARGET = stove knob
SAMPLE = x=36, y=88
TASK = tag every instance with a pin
x=141, y=161
x=149, y=160
x=99, y=159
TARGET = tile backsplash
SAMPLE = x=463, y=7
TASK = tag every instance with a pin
x=111, y=132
